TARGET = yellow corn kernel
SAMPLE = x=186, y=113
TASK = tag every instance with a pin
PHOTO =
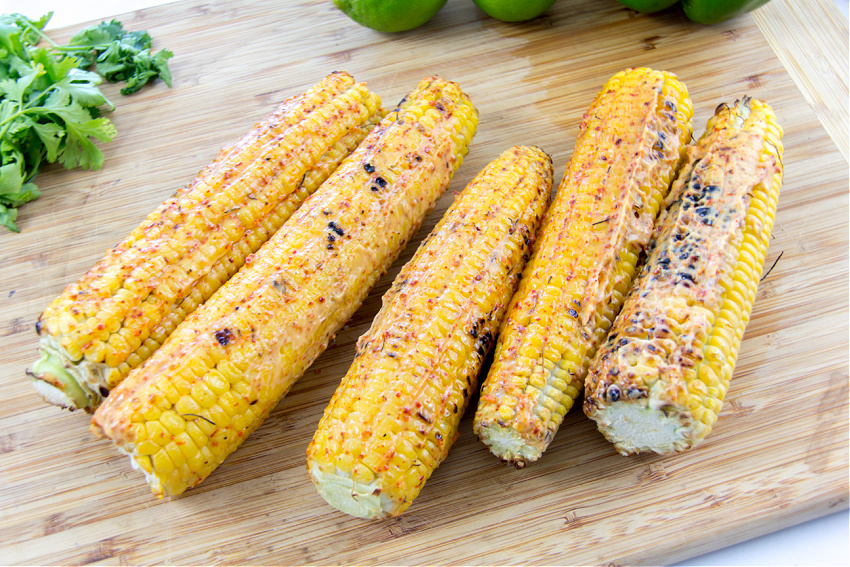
x=172, y=422
x=162, y=464
x=157, y=433
x=145, y=463
x=187, y=405
x=147, y=448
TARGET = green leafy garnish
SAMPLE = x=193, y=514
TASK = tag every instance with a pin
x=120, y=55
x=50, y=103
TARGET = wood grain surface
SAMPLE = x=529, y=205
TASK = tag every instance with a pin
x=811, y=40
x=778, y=454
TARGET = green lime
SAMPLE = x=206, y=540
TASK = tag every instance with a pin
x=390, y=15
x=514, y=10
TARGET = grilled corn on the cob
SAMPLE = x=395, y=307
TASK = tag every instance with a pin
x=224, y=369
x=396, y=413
x=629, y=145
x=659, y=381
x=121, y=310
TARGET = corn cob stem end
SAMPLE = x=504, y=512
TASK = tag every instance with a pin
x=509, y=445
x=639, y=427
x=351, y=497
x=54, y=380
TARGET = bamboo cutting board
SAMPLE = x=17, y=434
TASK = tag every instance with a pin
x=778, y=455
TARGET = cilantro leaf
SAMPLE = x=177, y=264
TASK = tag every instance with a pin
x=120, y=55
x=50, y=103
x=79, y=149
x=147, y=67
x=8, y=216
x=50, y=135
x=30, y=28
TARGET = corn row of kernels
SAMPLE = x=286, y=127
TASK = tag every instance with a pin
x=215, y=206
x=722, y=346
x=418, y=418
x=156, y=284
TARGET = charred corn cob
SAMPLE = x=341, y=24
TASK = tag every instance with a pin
x=222, y=371
x=121, y=310
x=395, y=414
x=629, y=145
x=658, y=382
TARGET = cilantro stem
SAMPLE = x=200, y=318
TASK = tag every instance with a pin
x=41, y=34
x=8, y=122
x=72, y=48
x=30, y=106
x=5, y=129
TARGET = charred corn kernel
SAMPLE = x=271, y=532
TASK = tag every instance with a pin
x=629, y=145
x=277, y=314
x=639, y=383
x=395, y=416
x=183, y=251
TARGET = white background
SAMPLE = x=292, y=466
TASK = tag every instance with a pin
x=825, y=541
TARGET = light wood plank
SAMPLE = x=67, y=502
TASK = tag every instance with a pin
x=811, y=40
x=778, y=454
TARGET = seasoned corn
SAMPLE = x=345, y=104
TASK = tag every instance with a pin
x=223, y=370
x=396, y=413
x=117, y=314
x=659, y=381
x=629, y=145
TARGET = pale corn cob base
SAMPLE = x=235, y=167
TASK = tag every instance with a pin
x=584, y=263
x=222, y=371
x=358, y=499
x=374, y=450
x=91, y=337
x=650, y=390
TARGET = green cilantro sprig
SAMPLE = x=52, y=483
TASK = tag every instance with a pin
x=50, y=103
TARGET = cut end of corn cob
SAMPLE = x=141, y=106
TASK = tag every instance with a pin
x=118, y=313
x=53, y=378
x=396, y=412
x=509, y=445
x=362, y=500
x=630, y=142
x=659, y=381
x=217, y=377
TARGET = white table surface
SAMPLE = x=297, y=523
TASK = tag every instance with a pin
x=821, y=542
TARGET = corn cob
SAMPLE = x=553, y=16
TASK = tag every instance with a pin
x=395, y=414
x=629, y=145
x=222, y=371
x=121, y=310
x=658, y=382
